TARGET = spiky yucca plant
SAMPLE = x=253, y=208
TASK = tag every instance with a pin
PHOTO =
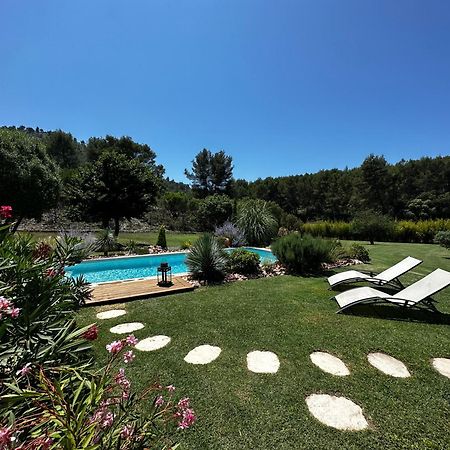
x=207, y=260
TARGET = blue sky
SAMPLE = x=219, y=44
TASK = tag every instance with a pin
x=283, y=86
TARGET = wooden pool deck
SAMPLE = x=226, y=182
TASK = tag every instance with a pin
x=131, y=290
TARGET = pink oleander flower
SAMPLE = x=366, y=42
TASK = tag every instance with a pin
x=5, y=437
x=183, y=403
x=131, y=340
x=159, y=400
x=126, y=432
x=114, y=347
x=14, y=312
x=91, y=334
x=122, y=381
x=25, y=370
x=5, y=212
x=187, y=420
x=170, y=388
x=128, y=356
x=5, y=304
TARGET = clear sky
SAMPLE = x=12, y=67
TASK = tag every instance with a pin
x=283, y=86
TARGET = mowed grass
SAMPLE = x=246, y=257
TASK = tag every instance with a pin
x=294, y=316
x=174, y=239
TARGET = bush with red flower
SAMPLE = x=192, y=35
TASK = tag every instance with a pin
x=106, y=413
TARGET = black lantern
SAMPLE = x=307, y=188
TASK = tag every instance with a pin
x=164, y=275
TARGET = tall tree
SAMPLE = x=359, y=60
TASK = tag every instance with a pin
x=375, y=185
x=125, y=146
x=64, y=149
x=29, y=179
x=113, y=187
x=212, y=173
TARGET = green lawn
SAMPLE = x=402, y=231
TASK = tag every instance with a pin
x=174, y=239
x=293, y=316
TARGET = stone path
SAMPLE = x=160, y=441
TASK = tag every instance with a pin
x=125, y=328
x=388, y=365
x=262, y=362
x=337, y=412
x=442, y=365
x=329, y=363
x=203, y=354
x=153, y=343
x=111, y=314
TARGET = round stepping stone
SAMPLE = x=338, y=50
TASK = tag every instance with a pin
x=329, y=363
x=111, y=314
x=263, y=362
x=124, y=328
x=388, y=365
x=203, y=354
x=442, y=365
x=337, y=412
x=152, y=343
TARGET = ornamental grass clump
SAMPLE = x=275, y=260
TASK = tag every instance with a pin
x=302, y=254
x=256, y=220
x=207, y=260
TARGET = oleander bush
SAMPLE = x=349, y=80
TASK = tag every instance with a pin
x=303, y=254
x=243, y=262
x=49, y=396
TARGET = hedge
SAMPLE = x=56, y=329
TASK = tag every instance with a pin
x=404, y=230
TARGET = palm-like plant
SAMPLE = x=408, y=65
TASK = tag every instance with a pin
x=207, y=260
x=106, y=242
x=256, y=220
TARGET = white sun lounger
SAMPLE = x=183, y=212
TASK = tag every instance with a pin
x=389, y=276
x=416, y=295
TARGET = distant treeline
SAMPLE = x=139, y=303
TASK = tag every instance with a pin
x=408, y=190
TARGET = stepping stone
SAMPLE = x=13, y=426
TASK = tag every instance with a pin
x=388, y=365
x=152, y=343
x=124, y=328
x=337, y=412
x=263, y=362
x=442, y=365
x=111, y=314
x=203, y=354
x=329, y=363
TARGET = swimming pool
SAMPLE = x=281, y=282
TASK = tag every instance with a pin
x=129, y=267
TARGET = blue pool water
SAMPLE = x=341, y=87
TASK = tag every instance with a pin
x=113, y=269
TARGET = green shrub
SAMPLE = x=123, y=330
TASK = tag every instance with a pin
x=206, y=259
x=371, y=225
x=302, y=254
x=256, y=220
x=358, y=251
x=243, y=261
x=162, y=242
x=186, y=245
x=443, y=239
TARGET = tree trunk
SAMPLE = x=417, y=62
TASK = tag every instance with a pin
x=16, y=224
x=116, y=226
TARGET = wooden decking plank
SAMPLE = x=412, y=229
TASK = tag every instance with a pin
x=120, y=291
